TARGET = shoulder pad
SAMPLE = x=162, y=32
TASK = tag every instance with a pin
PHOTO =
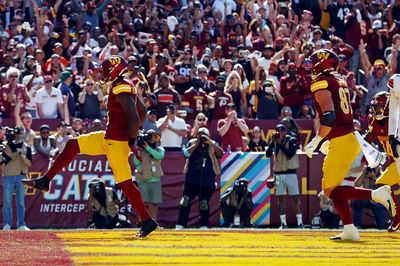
x=319, y=84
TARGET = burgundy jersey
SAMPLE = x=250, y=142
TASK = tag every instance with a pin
x=380, y=128
x=221, y=101
x=195, y=100
x=117, y=122
x=341, y=100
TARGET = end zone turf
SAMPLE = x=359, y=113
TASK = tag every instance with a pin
x=196, y=247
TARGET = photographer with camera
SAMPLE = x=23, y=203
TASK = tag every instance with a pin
x=367, y=180
x=284, y=147
x=15, y=158
x=202, y=165
x=103, y=202
x=237, y=205
x=172, y=128
x=149, y=171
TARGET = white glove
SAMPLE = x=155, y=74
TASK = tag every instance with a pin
x=312, y=145
x=325, y=147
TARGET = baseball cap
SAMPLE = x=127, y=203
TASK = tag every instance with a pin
x=219, y=79
x=292, y=66
x=65, y=75
x=47, y=78
x=342, y=57
x=57, y=44
x=162, y=56
x=268, y=47
x=204, y=131
x=95, y=181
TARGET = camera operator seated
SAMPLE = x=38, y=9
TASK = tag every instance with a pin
x=202, y=165
x=367, y=180
x=15, y=158
x=103, y=202
x=237, y=204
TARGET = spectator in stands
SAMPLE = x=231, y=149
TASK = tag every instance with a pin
x=305, y=112
x=65, y=88
x=89, y=101
x=231, y=130
x=149, y=171
x=267, y=95
x=183, y=69
x=24, y=121
x=234, y=87
x=165, y=95
x=200, y=121
x=150, y=121
x=13, y=91
x=77, y=126
x=172, y=129
x=207, y=85
x=195, y=100
x=45, y=144
x=377, y=75
x=49, y=100
x=257, y=143
x=202, y=165
x=97, y=125
x=160, y=67
x=221, y=99
x=356, y=94
x=293, y=88
x=284, y=148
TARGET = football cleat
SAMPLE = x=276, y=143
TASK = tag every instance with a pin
x=383, y=196
x=41, y=183
x=350, y=233
x=148, y=226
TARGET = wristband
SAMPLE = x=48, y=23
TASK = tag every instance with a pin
x=131, y=141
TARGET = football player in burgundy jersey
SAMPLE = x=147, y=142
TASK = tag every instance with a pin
x=378, y=129
x=332, y=100
x=125, y=114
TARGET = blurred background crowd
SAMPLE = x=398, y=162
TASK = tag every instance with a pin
x=222, y=59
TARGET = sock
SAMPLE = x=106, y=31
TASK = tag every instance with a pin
x=299, y=219
x=64, y=158
x=135, y=198
x=343, y=208
x=349, y=193
x=283, y=219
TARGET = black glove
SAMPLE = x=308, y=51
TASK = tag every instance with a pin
x=393, y=144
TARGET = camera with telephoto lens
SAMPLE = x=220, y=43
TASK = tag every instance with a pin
x=11, y=132
x=142, y=138
x=277, y=135
x=202, y=139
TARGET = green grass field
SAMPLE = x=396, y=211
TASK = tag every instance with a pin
x=196, y=247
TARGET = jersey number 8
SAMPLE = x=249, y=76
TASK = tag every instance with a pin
x=344, y=96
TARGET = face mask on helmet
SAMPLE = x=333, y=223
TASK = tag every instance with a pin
x=113, y=68
x=324, y=62
x=380, y=105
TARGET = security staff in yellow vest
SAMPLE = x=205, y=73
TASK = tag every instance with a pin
x=149, y=171
x=284, y=147
x=15, y=158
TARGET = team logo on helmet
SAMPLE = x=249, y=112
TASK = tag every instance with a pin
x=114, y=67
x=324, y=61
x=380, y=105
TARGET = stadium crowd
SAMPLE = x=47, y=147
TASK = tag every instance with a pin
x=190, y=61
x=200, y=55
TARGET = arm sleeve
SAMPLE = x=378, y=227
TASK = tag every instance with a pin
x=292, y=148
x=157, y=154
x=270, y=149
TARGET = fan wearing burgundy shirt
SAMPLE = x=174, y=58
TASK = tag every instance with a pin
x=232, y=129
